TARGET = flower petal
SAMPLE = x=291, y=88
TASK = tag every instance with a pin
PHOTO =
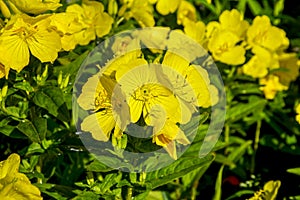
x=99, y=124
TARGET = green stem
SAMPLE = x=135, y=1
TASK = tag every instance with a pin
x=226, y=136
x=255, y=146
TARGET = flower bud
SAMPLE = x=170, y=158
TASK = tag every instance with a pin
x=59, y=78
x=13, y=8
x=66, y=81
x=123, y=141
x=112, y=7
x=45, y=72
x=4, y=90
x=114, y=141
x=4, y=10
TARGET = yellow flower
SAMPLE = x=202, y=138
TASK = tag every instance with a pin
x=186, y=11
x=298, y=113
x=23, y=34
x=36, y=6
x=121, y=44
x=258, y=65
x=271, y=86
x=140, y=10
x=93, y=19
x=124, y=63
x=224, y=48
x=289, y=68
x=166, y=136
x=195, y=30
x=15, y=185
x=190, y=83
x=108, y=111
x=66, y=24
x=153, y=39
x=143, y=91
x=165, y=7
x=262, y=33
x=233, y=21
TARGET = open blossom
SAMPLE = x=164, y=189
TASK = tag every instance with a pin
x=224, y=37
x=143, y=91
x=195, y=30
x=24, y=35
x=260, y=63
x=233, y=21
x=15, y=185
x=186, y=11
x=66, y=24
x=223, y=46
x=140, y=10
x=165, y=7
x=93, y=20
x=271, y=85
x=289, y=68
x=262, y=33
x=98, y=97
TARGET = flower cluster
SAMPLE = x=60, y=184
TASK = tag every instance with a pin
x=45, y=35
x=229, y=40
x=161, y=94
x=15, y=185
x=232, y=37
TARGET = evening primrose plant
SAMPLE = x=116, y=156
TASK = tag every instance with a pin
x=126, y=99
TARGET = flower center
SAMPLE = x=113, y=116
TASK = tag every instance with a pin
x=145, y=92
x=223, y=48
x=25, y=33
x=101, y=100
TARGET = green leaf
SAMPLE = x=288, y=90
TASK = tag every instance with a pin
x=51, y=99
x=278, y=7
x=239, y=194
x=191, y=179
x=224, y=160
x=255, y=7
x=142, y=196
x=177, y=169
x=34, y=148
x=294, y=171
x=97, y=166
x=241, y=110
x=24, y=86
x=218, y=186
x=237, y=153
x=35, y=130
x=13, y=111
x=87, y=195
x=241, y=6
x=248, y=88
x=109, y=181
x=157, y=195
x=72, y=67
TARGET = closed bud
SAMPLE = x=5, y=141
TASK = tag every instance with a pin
x=66, y=81
x=59, y=78
x=124, y=141
x=5, y=10
x=114, y=140
x=13, y=8
x=112, y=7
x=90, y=178
x=45, y=72
x=4, y=90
